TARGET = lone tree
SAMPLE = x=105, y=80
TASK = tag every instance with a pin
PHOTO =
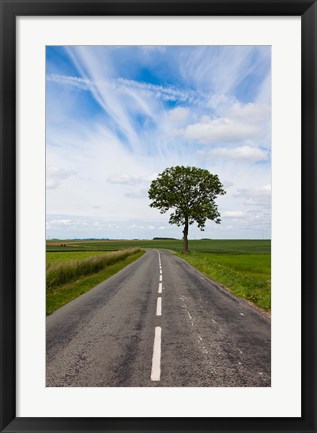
x=191, y=193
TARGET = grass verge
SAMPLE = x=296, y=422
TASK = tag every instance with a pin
x=57, y=296
x=65, y=271
x=245, y=275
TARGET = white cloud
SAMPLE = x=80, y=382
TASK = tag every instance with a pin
x=137, y=193
x=62, y=222
x=127, y=179
x=227, y=183
x=178, y=114
x=267, y=188
x=250, y=113
x=55, y=176
x=223, y=130
x=233, y=214
x=256, y=197
x=240, y=123
x=246, y=153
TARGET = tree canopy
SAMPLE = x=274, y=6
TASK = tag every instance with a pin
x=191, y=193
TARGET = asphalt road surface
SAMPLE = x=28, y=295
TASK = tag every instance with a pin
x=158, y=322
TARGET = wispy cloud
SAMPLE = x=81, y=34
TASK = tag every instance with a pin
x=125, y=87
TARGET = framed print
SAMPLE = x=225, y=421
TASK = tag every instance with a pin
x=158, y=175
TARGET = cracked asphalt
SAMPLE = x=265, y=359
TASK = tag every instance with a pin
x=207, y=338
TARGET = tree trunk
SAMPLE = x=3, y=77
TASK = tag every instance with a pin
x=185, y=237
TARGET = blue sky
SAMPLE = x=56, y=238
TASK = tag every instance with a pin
x=117, y=116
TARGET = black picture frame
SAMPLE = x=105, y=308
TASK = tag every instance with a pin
x=10, y=9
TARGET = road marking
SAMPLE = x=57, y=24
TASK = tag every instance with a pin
x=159, y=306
x=156, y=359
x=161, y=277
x=160, y=288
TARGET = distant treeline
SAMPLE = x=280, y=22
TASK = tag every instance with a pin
x=165, y=239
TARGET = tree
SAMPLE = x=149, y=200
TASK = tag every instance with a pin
x=191, y=193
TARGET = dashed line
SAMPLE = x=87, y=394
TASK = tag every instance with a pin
x=159, y=306
x=156, y=358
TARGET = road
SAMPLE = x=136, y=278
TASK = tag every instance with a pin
x=158, y=322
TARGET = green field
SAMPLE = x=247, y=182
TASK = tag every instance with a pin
x=207, y=246
x=59, y=257
x=245, y=275
x=242, y=266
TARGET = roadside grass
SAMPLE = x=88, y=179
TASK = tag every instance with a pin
x=65, y=271
x=78, y=280
x=245, y=275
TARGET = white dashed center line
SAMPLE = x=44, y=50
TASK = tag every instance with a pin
x=159, y=306
x=156, y=359
x=159, y=257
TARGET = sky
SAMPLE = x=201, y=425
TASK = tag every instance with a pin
x=117, y=116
